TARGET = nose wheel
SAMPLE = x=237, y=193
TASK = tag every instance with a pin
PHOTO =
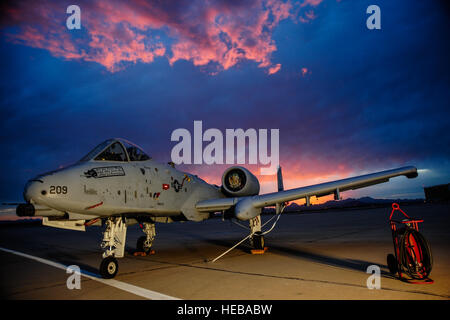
x=109, y=267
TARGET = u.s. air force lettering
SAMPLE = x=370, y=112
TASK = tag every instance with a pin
x=103, y=172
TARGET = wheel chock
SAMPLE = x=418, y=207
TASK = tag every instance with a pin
x=256, y=251
x=143, y=254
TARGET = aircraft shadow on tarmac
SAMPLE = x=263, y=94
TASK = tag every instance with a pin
x=350, y=264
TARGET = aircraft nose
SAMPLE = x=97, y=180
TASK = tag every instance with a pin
x=33, y=190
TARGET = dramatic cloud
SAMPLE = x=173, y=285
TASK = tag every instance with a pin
x=216, y=35
x=347, y=100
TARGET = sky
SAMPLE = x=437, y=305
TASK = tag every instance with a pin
x=346, y=100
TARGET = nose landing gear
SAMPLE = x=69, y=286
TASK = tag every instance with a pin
x=114, y=239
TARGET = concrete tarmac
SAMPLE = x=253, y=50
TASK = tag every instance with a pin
x=320, y=255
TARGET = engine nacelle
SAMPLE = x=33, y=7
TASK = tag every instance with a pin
x=239, y=182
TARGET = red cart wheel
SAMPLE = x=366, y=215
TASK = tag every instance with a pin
x=415, y=254
x=392, y=264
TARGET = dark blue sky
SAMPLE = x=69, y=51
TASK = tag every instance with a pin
x=347, y=100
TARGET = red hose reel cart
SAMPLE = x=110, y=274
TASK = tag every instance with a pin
x=412, y=260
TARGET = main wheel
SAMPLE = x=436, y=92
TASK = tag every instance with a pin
x=109, y=268
x=258, y=241
x=142, y=246
x=392, y=264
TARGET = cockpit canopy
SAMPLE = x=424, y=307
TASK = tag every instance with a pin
x=116, y=150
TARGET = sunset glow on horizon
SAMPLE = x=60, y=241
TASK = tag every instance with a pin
x=346, y=100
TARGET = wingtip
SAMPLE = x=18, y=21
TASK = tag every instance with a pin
x=412, y=172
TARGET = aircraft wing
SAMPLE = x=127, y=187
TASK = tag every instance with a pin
x=318, y=190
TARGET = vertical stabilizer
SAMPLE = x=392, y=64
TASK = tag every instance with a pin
x=280, y=188
x=280, y=179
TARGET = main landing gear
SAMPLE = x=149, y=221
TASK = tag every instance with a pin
x=144, y=243
x=114, y=238
x=257, y=238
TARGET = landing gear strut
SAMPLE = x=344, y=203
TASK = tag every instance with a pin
x=113, y=243
x=257, y=239
x=144, y=243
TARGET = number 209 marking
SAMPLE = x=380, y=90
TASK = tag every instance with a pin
x=58, y=189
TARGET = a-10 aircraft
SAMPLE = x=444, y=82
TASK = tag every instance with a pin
x=118, y=185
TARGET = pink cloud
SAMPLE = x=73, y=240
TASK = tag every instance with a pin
x=308, y=16
x=305, y=71
x=274, y=69
x=218, y=34
x=312, y=3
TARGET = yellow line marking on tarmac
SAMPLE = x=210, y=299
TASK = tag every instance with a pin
x=145, y=293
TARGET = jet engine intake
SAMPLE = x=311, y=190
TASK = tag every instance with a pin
x=239, y=182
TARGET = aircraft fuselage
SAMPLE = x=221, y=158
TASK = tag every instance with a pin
x=106, y=188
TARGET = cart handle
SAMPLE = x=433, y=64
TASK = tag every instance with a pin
x=396, y=207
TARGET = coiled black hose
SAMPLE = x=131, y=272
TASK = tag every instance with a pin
x=415, y=254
